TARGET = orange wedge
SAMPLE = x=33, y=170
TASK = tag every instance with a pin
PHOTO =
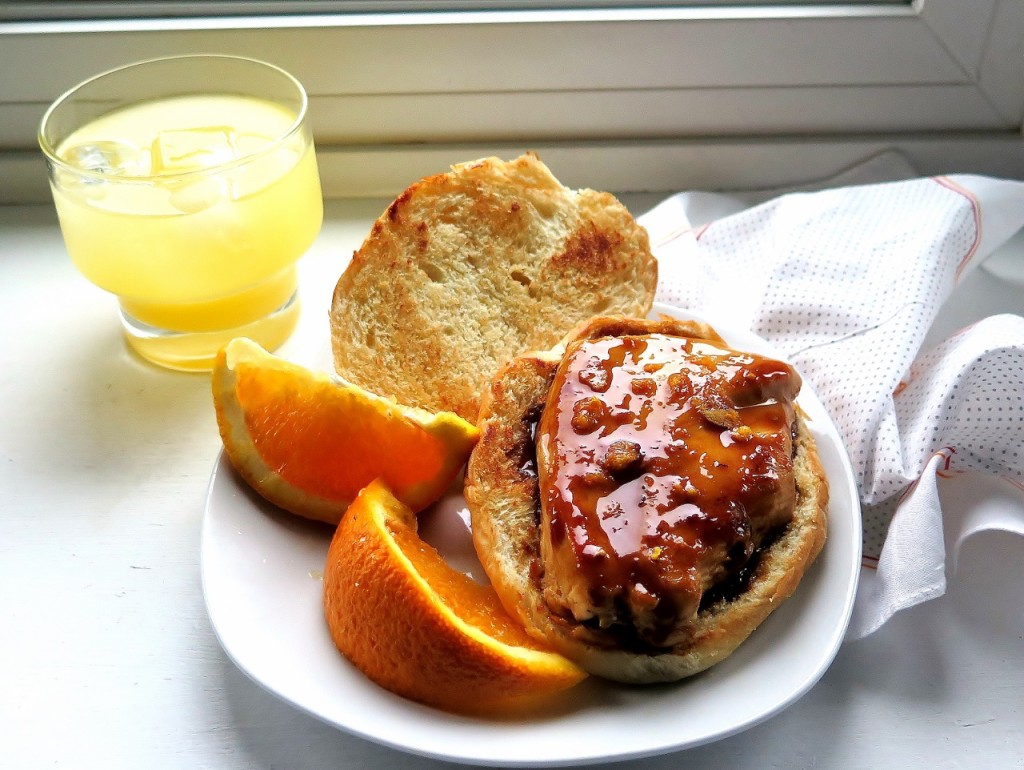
x=309, y=443
x=419, y=628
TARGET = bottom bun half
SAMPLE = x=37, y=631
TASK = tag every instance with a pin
x=502, y=492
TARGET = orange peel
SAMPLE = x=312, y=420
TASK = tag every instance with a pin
x=421, y=629
x=309, y=443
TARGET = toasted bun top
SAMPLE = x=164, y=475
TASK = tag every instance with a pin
x=502, y=492
x=469, y=268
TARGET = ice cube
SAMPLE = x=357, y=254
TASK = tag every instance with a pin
x=192, y=149
x=107, y=157
x=249, y=144
x=199, y=194
x=260, y=172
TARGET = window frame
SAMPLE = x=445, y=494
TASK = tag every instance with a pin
x=383, y=82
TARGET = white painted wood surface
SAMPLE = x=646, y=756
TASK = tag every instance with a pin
x=546, y=75
x=107, y=657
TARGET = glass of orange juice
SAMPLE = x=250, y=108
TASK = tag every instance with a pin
x=188, y=187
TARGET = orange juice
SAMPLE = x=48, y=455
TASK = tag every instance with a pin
x=193, y=210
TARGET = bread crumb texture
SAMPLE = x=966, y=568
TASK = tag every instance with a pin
x=467, y=269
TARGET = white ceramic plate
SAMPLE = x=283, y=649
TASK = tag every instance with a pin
x=262, y=581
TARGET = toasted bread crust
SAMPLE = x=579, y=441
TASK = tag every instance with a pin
x=502, y=493
x=466, y=269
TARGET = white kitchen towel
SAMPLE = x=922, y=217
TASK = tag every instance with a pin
x=847, y=282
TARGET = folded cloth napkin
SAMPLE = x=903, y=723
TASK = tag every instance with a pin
x=847, y=283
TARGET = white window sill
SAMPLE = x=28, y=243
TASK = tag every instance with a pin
x=659, y=167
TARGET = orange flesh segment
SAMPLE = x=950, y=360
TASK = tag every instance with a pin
x=473, y=603
x=421, y=629
x=341, y=441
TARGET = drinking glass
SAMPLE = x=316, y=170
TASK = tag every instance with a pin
x=188, y=187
